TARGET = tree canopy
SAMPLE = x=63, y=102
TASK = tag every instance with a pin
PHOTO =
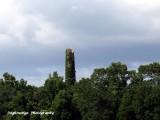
x=111, y=93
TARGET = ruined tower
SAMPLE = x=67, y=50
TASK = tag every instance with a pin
x=70, y=76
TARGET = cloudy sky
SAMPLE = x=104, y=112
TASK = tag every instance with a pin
x=35, y=33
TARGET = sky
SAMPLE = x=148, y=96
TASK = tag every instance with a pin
x=34, y=35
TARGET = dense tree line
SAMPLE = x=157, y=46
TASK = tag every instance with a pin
x=112, y=93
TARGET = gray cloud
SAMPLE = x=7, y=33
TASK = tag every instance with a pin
x=35, y=34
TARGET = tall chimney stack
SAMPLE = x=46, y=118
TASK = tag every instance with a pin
x=70, y=76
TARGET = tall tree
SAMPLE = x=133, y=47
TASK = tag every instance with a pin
x=70, y=68
x=63, y=107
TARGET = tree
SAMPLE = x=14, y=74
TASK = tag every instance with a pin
x=150, y=72
x=100, y=78
x=117, y=75
x=7, y=92
x=54, y=84
x=63, y=107
x=47, y=93
x=93, y=102
x=18, y=103
x=137, y=102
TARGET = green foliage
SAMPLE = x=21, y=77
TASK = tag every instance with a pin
x=54, y=84
x=100, y=78
x=137, y=102
x=63, y=106
x=112, y=93
x=18, y=102
x=91, y=101
x=117, y=76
